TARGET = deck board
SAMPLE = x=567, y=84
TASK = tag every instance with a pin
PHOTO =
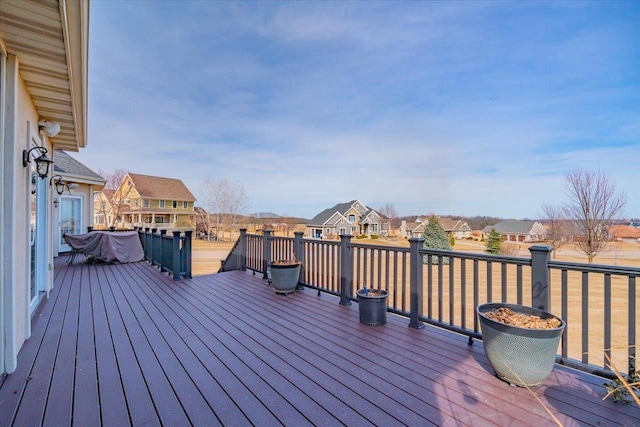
x=131, y=346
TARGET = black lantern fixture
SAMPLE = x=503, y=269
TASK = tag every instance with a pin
x=42, y=162
x=57, y=180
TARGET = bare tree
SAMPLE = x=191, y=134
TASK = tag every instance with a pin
x=594, y=205
x=119, y=196
x=225, y=200
x=203, y=223
x=114, y=179
x=557, y=224
x=389, y=210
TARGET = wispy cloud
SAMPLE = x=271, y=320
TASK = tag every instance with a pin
x=446, y=107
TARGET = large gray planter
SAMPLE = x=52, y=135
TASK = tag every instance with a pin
x=520, y=356
x=284, y=277
x=372, y=306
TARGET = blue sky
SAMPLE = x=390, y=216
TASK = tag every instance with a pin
x=461, y=108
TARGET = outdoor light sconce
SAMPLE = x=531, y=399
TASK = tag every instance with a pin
x=72, y=186
x=49, y=128
x=55, y=202
x=57, y=180
x=42, y=162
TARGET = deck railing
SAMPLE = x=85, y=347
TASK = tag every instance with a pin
x=443, y=288
x=170, y=252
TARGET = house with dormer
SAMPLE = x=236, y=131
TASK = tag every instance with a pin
x=352, y=217
x=453, y=227
x=148, y=202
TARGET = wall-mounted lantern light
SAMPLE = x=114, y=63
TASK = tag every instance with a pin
x=42, y=162
x=59, y=183
x=55, y=202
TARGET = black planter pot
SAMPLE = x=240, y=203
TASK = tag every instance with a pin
x=520, y=356
x=373, y=306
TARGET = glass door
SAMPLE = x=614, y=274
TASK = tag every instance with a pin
x=37, y=239
x=70, y=217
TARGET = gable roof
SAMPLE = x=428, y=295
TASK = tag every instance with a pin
x=160, y=188
x=73, y=170
x=624, y=231
x=512, y=226
x=340, y=208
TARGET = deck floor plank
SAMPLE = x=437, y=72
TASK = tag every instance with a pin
x=111, y=392
x=127, y=345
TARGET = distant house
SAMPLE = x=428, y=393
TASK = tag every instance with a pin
x=149, y=201
x=512, y=230
x=103, y=210
x=353, y=218
x=453, y=227
x=74, y=207
x=625, y=233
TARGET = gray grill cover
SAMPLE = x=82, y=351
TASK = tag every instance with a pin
x=108, y=246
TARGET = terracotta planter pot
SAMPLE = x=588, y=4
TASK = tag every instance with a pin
x=520, y=356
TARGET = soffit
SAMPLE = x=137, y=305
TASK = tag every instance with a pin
x=50, y=39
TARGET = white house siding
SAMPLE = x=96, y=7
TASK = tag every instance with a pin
x=20, y=127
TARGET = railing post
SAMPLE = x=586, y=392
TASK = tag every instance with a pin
x=163, y=232
x=346, y=270
x=540, y=292
x=152, y=245
x=298, y=252
x=187, y=253
x=266, y=253
x=415, y=282
x=242, y=249
x=175, y=255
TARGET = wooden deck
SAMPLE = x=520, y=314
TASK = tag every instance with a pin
x=123, y=345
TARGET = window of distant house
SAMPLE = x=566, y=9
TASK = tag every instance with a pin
x=343, y=230
x=374, y=228
x=159, y=220
x=145, y=203
x=175, y=204
x=136, y=203
x=352, y=218
x=161, y=203
x=185, y=205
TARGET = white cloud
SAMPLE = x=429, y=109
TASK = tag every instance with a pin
x=456, y=107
